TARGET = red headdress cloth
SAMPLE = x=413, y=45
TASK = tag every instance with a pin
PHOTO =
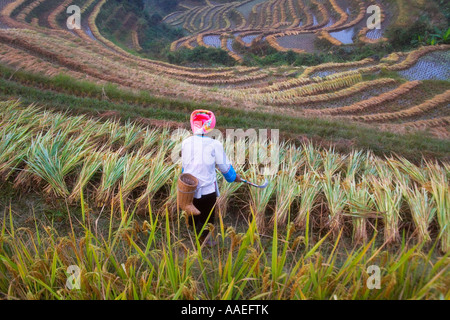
x=202, y=121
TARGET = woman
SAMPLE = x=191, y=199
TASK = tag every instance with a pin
x=200, y=157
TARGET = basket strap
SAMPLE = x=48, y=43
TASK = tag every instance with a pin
x=186, y=192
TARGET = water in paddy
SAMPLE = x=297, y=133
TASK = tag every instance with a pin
x=329, y=24
x=315, y=22
x=230, y=45
x=303, y=41
x=345, y=36
x=248, y=39
x=433, y=66
x=213, y=41
x=374, y=34
x=88, y=31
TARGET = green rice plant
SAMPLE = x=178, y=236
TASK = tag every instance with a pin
x=151, y=136
x=227, y=190
x=310, y=188
x=52, y=157
x=13, y=114
x=238, y=152
x=332, y=162
x=113, y=132
x=416, y=173
x=439, y=188
x=132, y=135
x=389, y=166
x=13, y=148
x=113, y=166
x=60, y=122
x=313, y=157
x=335, y=197
x=136, y=168
x=287, y=189
x=171, y=202
x=332, y=189
x=168, y=140
x=354, y=164
x=260, y=197
x=161, y=171
x=388, y=200
x=149, y=261
x=91, y=165
x=368, y=167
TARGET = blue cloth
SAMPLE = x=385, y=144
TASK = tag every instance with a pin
x=230, y=175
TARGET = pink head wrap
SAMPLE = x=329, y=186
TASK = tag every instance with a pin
x=202, y=121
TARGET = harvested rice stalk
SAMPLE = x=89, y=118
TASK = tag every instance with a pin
x=416, y=173
x=310, y=188
x=423, y=210
x=287, y=188
x=260, y=197
x=387, y=199
x=313, y=157
x=441, y=194
x=52, y=157
x=132, y=135
x=360, y=204
x=113, y=166
x=135, y=170
x=226, y=192
x=336, y=201
x=91, y=165
x=151, y=137
x=13, y=146
x=354, y=165
x=161, y=171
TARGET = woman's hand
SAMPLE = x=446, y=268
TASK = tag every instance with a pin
x=238, y=178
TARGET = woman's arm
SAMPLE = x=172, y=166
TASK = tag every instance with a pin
x=224, y=164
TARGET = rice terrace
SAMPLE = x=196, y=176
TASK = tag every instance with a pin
x=348, y=102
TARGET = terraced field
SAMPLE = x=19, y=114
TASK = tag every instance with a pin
x=285, y=24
